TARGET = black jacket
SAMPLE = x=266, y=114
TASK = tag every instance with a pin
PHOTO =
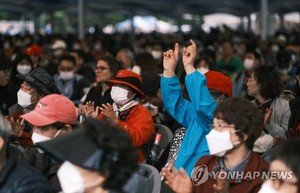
x=95, y=95
x=17, y=176
x=45, y=164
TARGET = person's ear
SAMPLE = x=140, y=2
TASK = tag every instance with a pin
x=36, y=97
x=245, y=137
x=66, y=129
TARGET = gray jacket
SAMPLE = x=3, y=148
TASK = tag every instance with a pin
x=278, y=125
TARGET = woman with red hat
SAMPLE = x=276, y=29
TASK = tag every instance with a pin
x=126, y=110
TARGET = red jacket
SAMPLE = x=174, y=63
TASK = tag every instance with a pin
x=247, y=185
x=139, y=125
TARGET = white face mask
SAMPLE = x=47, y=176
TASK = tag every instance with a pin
x=219, y=142
x=70, y=178
x=119, y=95
x=156, y=54
x=285, y=70
x=23, y=69
x=24, y=99
x=57, y=53
x=66, y=75
x=202, y=70
x=248, y=63
x=267, y=188
x=36, y=138
x=275, y=48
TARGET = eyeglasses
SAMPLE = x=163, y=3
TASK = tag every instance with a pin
x=102, y=68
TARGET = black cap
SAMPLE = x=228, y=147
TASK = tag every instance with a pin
x=41, y=80
x=150, y=83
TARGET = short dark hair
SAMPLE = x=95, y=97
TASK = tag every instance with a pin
x=5, y=63
x=150, y=83
x=256, y=54
x=111, y=138
x=270, y=85
x=67, y=57
x=244, y=115
x=113, y=63
x=80, y=54
x=207, y=59
x=288, y=152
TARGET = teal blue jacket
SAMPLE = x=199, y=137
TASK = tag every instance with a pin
x=196, y=116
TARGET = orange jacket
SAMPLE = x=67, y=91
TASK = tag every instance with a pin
x=139, y=125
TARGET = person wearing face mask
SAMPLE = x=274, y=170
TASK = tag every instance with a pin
x=69, y=83
x=98, y=158
x=146, y=62
x=35, y=85
x=237, y=124
x=22, y=65
x=252, y=59
x=126, y=110
x=286, y=161
x=35, y=53
x=53, y=115
x=17, y=176
x=204, y=64
x=286, y=69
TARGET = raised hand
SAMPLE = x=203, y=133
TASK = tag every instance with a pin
x=267, y=115
x=108, y=111
x=179, y=182
x=170, y=61
x=221, y=186
x=188, y=57
x=16, y=126
x=89, y=110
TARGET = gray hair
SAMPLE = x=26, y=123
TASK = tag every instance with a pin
x=128, y=53
x=5, y=129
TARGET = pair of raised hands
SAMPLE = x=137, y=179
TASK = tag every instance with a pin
x=189, y=54
x=89, y=110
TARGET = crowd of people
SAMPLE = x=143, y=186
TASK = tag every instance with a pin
x=80, y=115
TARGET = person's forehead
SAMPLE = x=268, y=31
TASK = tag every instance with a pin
x=122, y=86
x=102, y=63
x=29, y=86
x=66, y=63
x=278, y=165
x=250, y=55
